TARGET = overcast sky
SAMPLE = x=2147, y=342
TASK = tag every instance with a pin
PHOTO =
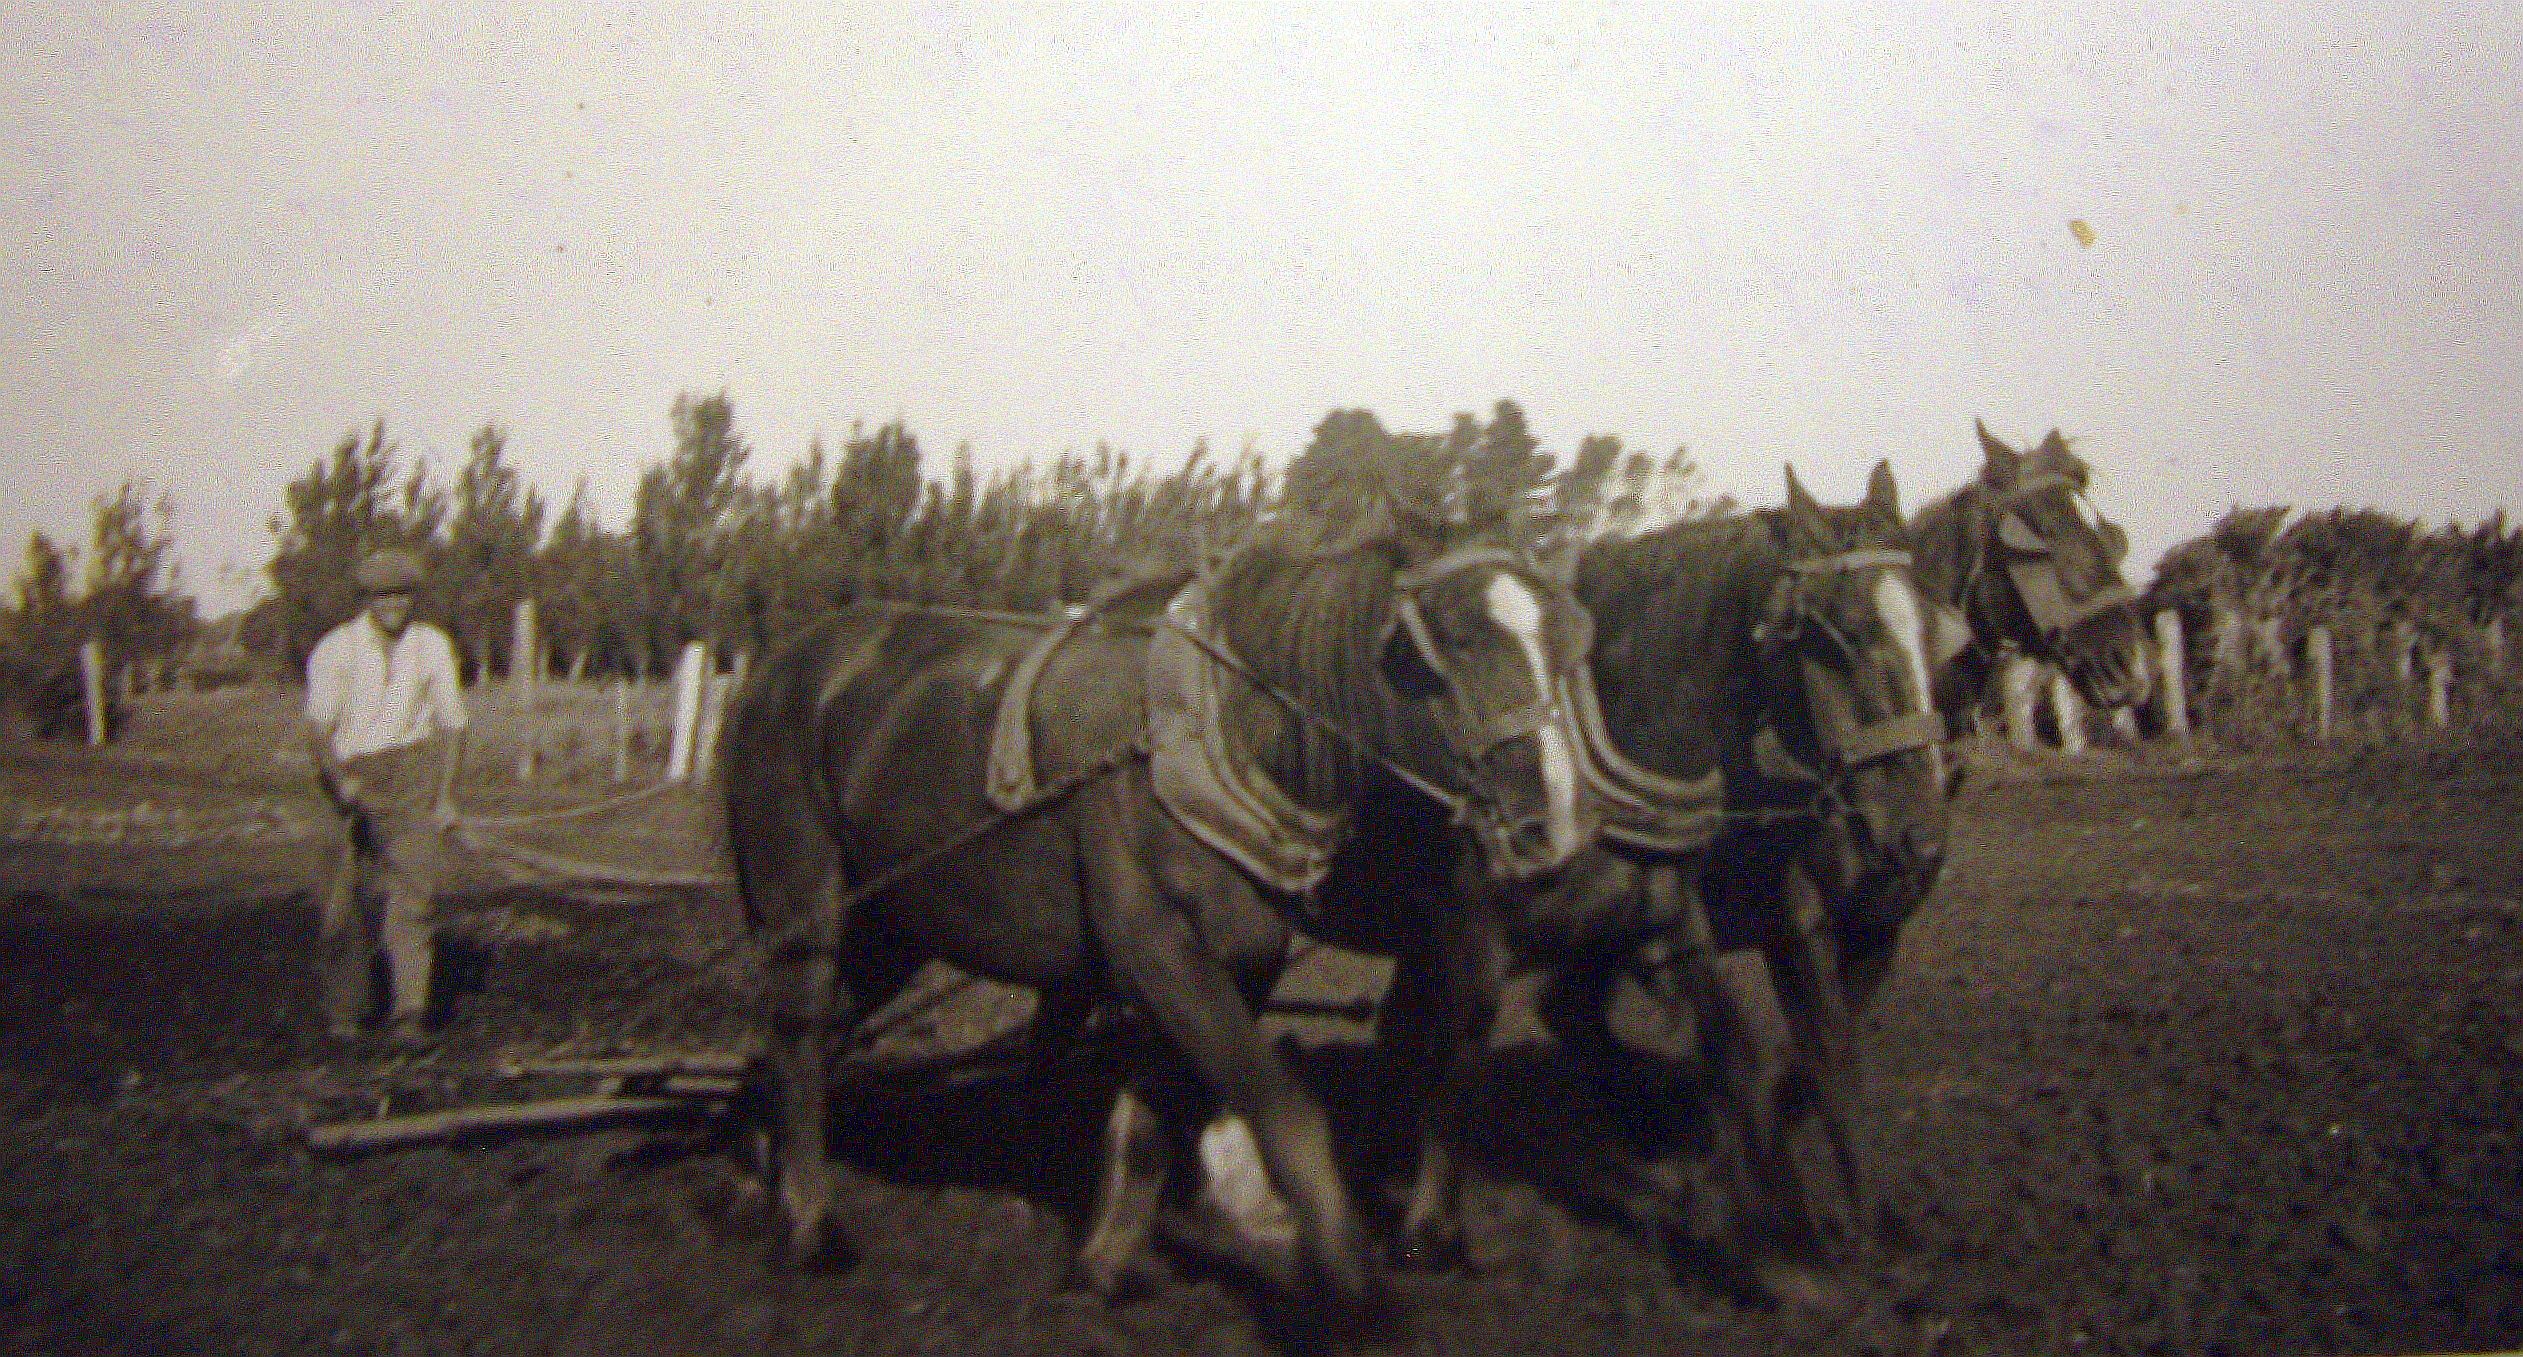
x=1772, y=233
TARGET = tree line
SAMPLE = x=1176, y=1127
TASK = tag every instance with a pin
x=122, y=591
x=713, y=551
x=2360, y=572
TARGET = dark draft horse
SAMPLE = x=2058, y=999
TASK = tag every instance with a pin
x=1787, y=651
x=2017, y=560
x=1781, y=650
x=860, y=750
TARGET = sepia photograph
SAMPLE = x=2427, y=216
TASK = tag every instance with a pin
x=954, y=676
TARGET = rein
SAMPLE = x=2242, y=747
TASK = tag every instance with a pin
x=1847, y=745
x=1457, y=804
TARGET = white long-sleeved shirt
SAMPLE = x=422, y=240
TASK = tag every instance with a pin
x=374, y=696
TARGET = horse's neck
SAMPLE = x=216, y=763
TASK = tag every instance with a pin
x=1675, y=662
x=1310, y=733
x=1948, y=564
x=1313, y=766
x=1943, y=553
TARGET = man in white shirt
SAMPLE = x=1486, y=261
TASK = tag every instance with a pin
x=385, y=725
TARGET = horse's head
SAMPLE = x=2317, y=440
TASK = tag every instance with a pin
x=1843, y=660
x=2049, y=578
x=1491, y=643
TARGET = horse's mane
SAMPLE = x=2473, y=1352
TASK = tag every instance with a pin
x=1311, y=619
x=1673, y=611
x=1942, y=530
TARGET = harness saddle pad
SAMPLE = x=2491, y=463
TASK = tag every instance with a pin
x=1234, y=809
x=1642, y=807
x=1011, y=780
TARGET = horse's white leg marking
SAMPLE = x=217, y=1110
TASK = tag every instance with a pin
x=1239, y=1187
x=1514, y=608
x=1897, y=603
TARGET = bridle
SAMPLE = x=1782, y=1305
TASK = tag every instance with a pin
x=2030, y=564
x=1845, y=743
x=1471, y=731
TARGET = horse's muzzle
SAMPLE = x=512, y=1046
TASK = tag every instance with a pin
x=1524, y=847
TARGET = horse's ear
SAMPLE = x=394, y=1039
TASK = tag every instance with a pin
x=1989, y=442
x=2056, y=455
x=2002, y=463
x=1882, y=496
x=1803, y=527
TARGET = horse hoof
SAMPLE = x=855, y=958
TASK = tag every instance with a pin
x=1794, y=1286
x=817, y=1244
x=1432, y=1249
x=1114, y=1284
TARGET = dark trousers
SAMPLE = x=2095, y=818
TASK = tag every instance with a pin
x=383, y=879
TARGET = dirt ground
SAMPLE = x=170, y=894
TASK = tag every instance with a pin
x=2186, y=1056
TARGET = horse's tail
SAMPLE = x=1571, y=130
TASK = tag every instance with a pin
x=779, y=819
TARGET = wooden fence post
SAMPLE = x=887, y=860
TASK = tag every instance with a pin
x=2317, y=658
x=713, y=717
x=2069, y=711
x=525, y=675
x=689, y=678
x=2019, y=678
x=2176, y=675
x=621, y=729
x=92, y=684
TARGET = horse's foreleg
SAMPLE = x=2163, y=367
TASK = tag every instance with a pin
x=1156, y=954
x=1817, y=1009
x=1682, y=969
x=1435, y=1018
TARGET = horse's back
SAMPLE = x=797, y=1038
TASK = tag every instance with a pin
x=871, y=736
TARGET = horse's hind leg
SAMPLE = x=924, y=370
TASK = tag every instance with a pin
x=800, y=998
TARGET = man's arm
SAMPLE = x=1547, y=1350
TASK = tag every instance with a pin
x=339, y=786
x=323, y=713
x=451, y=762
x=447, y=701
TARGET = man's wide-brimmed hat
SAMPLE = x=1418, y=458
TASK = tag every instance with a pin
x=389, y=571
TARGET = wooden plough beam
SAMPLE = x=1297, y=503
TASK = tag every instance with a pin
x=632, y=1090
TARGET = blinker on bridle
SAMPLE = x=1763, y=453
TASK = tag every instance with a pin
x=2031, y=564
x=1473, y=732
x=1847, y=743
